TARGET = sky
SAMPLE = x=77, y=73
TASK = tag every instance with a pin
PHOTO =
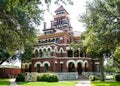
x=74, y=11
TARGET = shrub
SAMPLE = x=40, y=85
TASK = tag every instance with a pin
x=53, y=78
x=20, y=78
x=117, y=77
x=93, y=78
x=47, y=78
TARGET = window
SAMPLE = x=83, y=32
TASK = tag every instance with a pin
x=97, y=68
x=40, y=53
x=36, y=53
x=61, y=53
x=49, y=52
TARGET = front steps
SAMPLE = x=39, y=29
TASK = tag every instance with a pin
x=83, y=77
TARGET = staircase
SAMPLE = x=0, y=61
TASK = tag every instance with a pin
x=83, y=77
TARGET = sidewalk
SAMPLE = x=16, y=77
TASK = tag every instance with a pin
x=84, y=83
x=12, y=82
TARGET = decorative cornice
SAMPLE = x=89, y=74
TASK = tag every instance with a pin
x=54, y=35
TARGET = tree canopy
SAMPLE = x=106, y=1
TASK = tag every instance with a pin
x=102, y=35
x=18, y=19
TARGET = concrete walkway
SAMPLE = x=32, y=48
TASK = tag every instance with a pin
x=12, y=82
x=84, y=83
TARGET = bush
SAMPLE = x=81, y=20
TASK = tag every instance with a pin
x=93, y=78
x=47, y=78
x=20, y=78
x=117, y=77
x=53, y=78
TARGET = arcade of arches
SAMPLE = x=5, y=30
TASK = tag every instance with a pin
x=73, y=66
x=69, y=53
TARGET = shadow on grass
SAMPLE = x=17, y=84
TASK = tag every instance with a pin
x=105, y=83
x=22, y=83
x=69, y=83
x=4, y=82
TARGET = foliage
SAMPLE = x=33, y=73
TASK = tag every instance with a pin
x=102, y=34
x=53, y=78
x=18, y=21
x=117, y=77
x=117, y=57
x=93, y=78
x=27, y=55
x=47, y=78
x=108, y=83
x=20, y=77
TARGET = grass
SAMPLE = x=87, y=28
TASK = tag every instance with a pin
x=64, y=83
x=110, y=83
x=4, y=82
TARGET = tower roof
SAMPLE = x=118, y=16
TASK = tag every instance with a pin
x=61, y=8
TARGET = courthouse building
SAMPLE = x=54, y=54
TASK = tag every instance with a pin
x=52, y=53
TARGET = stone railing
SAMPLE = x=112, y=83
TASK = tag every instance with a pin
x=61, y=76
x=67, y=76
x=87, y=74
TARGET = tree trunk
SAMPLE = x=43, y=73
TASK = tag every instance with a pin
x=102, y=69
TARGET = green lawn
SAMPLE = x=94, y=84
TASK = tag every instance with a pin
x=64, y=83
x=98, y=83
x=4, y=82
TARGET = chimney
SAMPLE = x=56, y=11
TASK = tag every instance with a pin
x=44, y=23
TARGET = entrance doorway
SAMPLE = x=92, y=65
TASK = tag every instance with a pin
x=71, y=67
x=79, y=68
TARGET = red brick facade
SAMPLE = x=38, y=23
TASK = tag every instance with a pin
x=9, y=72
x=52, y=52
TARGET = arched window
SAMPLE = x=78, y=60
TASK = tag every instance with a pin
x=36, y=53
x=45, y=53
x=70, y=53
x=38, y=68
x=81, y=54
x=26, y=68
x=76, y=53
x=46, y=67
x=49, y=52
x=40, y=53
x=61, y=53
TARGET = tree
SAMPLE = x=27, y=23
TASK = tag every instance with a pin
x=27, y=55
x=102, y=28
x=116, y=56
x=18, y=19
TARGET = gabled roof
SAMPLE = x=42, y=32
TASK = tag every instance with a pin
x=61, y=8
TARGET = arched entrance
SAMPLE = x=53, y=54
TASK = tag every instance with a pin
x=38, y=68
x=46, y=67
x=71, y=67
x=79, y=68
x=86, y=67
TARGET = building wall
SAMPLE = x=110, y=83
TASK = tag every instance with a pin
x=55, y=64
x=9, y=72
